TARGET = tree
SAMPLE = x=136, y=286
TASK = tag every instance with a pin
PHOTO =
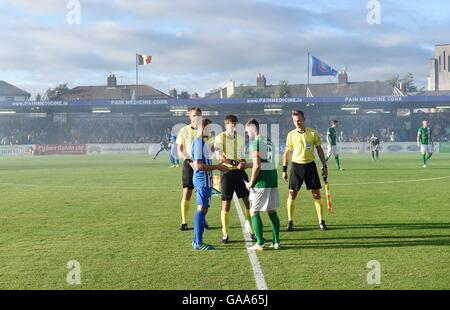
x=407, y=82
x=394, y=81
x=56, y=93
x=184, y=95
x=282, y=89
x=38, y=97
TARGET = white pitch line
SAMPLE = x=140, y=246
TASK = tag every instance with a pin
x=49, y=186
x=257, y=272
x=391, y=182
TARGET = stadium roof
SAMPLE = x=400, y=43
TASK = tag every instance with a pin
x=7, y=89
x=119, y=92
x=433, y=93
x=358, y=89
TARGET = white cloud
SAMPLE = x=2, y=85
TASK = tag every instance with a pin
x=198, y=45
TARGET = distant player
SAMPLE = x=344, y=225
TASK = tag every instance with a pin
x=301, y=142
x=229, y=148
x=332, y=145
x=163, y=146
x=425, y=142
x=173, y=150
x=203, y=181
x=263, y=185
x=184, y=142
x=374, y=144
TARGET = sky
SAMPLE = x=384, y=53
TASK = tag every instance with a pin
x=198, y=45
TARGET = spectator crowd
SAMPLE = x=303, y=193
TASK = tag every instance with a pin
x=130, y=129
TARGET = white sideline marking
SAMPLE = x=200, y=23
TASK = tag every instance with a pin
x=391, y=182
x=257, y=272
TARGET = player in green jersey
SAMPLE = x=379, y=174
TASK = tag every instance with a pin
x=332, y=146
x=263, y=185
x=374, y=144
x=425, y=142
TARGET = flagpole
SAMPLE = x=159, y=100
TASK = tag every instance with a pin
x=307, y=80
x=137, y=79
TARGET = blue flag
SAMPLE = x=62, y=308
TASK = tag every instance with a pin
x=319, y=68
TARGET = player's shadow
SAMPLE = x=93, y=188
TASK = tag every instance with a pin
x=429, y=167
x=213, y=228
x=405, y=226
x=374, y=241
x=370, y=242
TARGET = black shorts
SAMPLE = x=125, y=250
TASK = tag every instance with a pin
x=304, y=172
x=187, y=176
x=231, y=182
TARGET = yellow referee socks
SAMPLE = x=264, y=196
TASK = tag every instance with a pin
x=248, y=217
x=184, y=210
x=319, y=209
x=290, y=207
x=225, y=217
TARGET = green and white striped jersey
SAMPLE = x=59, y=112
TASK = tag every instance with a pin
x=268, y=177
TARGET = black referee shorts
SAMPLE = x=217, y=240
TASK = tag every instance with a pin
x=231, y=182
x=304, y=172
x=187, y=175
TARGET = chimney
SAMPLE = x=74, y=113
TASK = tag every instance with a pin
x=230, y=88
x=173, y=93
x=260, y=81
x=343, y=78
x=112, y=81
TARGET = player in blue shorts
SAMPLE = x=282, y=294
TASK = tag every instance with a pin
x=203, y=181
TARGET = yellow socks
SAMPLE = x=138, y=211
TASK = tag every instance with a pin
x=248, y=217
x=290, y=208
x=225, y=217
x=319, y=209
x=184, y=210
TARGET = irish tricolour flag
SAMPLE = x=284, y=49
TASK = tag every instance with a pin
x=143, y=59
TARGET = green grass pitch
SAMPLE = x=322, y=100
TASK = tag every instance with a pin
x=119, y=217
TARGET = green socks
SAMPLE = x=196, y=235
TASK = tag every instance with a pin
x=258, y=228
x=275, y=220
x=338, y=165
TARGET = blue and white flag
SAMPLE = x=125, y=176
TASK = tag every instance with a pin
x=319, y=68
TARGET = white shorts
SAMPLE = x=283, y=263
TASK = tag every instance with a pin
x=332, y=150
x=264, y=199
x=374, y=147
x=426, y=148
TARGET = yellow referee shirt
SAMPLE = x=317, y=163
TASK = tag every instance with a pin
x=186, y=137
x=303, y=144
x=233, y=148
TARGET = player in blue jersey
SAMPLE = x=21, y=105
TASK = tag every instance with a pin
x=203, y=181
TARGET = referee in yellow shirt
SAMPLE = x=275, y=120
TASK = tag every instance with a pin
x=301, y=142
x=230, y=148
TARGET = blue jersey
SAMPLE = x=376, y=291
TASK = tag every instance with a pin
x=201, y=152
x=172, y=138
